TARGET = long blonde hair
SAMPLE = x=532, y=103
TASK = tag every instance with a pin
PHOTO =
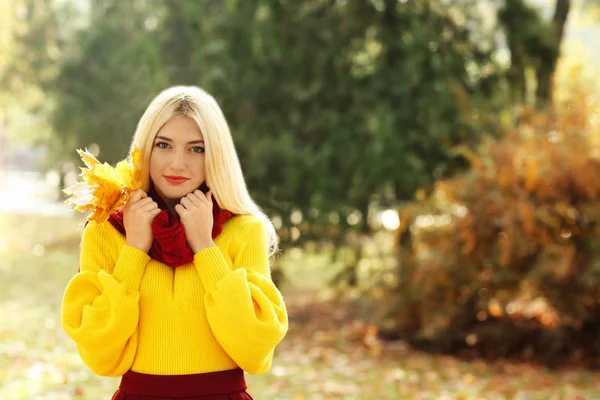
x=223, y=170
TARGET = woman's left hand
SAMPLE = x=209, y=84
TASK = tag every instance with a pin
x=195, y=212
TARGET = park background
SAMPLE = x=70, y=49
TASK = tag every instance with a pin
x=431, y=167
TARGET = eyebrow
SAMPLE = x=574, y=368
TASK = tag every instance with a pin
x=166, y=139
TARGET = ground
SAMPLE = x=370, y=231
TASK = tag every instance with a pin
x=329, y=353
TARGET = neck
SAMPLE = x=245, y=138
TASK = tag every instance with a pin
x=170, y=205
x=163, y=203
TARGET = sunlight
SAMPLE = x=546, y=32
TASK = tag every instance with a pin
x=390, y=219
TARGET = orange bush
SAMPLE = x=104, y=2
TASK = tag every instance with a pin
x=509, y=248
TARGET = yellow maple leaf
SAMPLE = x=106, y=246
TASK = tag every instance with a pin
x=103, y=188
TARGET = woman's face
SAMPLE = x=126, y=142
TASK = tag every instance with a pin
x=177, y=159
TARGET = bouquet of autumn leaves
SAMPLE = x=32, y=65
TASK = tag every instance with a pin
x=103, y=188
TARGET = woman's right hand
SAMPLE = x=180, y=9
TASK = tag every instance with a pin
x=138, y=215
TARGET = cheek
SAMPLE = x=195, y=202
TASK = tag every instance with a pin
x=199, y=167
x=199, y=164
x=153, y=166
x=155, y=163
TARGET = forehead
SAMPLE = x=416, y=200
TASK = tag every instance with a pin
x=181, y=129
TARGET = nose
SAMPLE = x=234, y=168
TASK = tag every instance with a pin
x=177, y=162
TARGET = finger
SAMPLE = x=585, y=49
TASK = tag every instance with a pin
x=201, y=196
x=186, y=203
x=149, y=207
x=142, y=202
x=179, y=209
x=207, y=198
x=154, y=214
x=135, y=200
x=137, y=195
x=195, y=197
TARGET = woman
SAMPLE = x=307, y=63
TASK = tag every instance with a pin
x=174, y=291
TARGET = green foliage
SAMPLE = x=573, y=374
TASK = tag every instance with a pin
x=336, y=106
x=30, y=37
x=503, y=259
x=104, y=86
x=338, y=109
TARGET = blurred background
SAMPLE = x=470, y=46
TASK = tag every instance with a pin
x=431, y=167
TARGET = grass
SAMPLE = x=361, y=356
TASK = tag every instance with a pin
x=324, y=355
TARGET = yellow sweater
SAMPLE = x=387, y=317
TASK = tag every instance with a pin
x=126, y=311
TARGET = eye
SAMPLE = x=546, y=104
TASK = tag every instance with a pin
x=197, y=149
x=162, y=145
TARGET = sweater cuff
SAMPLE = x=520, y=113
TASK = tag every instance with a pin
x=130, y=267
x=211, y=266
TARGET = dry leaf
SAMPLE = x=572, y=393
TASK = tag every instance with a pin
x=104, y=188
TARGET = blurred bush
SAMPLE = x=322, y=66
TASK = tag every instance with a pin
x=503, y=260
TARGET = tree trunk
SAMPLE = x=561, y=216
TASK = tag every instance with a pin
x=549, y=54
x=516, y=72
x=511, y=16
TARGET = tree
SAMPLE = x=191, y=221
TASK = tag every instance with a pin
x=502, y=260
x=533, y=44
x=107, y=82
x=33, y=33
x=336, y=106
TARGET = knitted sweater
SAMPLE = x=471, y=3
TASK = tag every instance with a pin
x=126, y=311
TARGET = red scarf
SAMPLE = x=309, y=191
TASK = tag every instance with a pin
x=170, y=245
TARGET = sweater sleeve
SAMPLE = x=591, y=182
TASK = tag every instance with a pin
x=100, y=307
x=245, y=310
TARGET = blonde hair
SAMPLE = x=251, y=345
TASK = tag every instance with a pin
x=223, y=170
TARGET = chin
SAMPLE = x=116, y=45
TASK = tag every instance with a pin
x=176, y=192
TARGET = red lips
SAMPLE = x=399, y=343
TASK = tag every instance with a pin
x=175, y=180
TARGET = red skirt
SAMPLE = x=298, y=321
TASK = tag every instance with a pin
x=221, y=385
